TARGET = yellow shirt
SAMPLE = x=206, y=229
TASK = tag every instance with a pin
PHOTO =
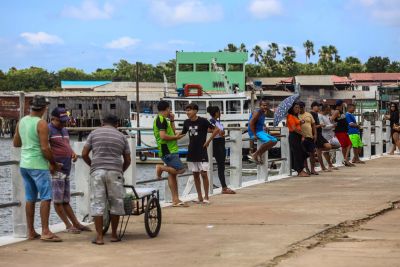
x=306, y=127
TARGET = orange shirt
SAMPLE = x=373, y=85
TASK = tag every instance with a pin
x=293, y=123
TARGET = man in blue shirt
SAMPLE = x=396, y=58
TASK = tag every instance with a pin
x=354, y=133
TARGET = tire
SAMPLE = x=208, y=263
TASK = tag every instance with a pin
x=143, y=157
x=152, y=217
x=106, y=219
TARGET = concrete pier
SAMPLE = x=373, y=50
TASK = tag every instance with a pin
x=343, y=218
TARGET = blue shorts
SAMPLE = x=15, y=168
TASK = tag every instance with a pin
x=263, y=137
x=36, y=181
x=173, y=161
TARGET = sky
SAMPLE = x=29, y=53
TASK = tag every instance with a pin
x=91, y=34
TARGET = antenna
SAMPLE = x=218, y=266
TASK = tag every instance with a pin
x=221, y=72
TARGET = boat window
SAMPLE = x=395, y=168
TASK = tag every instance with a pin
x=223, y=66
x=233, y=107
x=202, y=106
x=186, y=67
x=235, y=67
x=180, y=106
x=202, y=67
x=219, y=104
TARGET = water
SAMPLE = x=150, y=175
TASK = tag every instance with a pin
x=144, y=172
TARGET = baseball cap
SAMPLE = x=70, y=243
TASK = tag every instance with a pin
x=60, y=113
x=39, y=102
x=315, y=103
x=339, y=102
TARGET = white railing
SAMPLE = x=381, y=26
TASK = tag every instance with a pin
x=235, y=143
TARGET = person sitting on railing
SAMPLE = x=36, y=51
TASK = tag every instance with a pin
x=328, y=133
x=108, y=146
x=166, y=138
x=394, y=127
x=257, y=132
x=32, y=135
x=197, y=156
x=219, y=151
x=63, y=154
x=354, y=134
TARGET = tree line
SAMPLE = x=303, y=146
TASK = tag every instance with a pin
x=272, y=61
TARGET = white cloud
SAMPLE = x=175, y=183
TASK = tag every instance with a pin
x=39, y=38
x=263, y=9
x=89, y=10
x=383, y=11
x=123, y=43
x=172, y=12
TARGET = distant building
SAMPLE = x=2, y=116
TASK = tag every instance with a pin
x=82, y=85
x=198, y=68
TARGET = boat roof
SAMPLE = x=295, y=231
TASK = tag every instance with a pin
x=237, y=96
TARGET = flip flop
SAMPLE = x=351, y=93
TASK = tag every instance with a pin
x=206, y=201
x=228, y=191
x=53, y=238
x=115, y=240
x=85, y=229
x=180, y=205
x=35, y=237
x=253, y=160
x=94, y=241
x=72, y=231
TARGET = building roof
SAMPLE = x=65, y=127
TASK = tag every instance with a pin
x=321, y=80
x=131, y=87
x=375, y=77
x=82, y=84
x=348, y=94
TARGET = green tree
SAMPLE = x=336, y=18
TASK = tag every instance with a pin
x=309, y=47
x=231, y=48
x=257, y=54
x=124, y=71
x=242, y=48
x=274, y=48
x=72, y=74
x=394, y=67
x=103, y=74
x=377, y=64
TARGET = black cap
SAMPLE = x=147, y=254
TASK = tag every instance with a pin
x=302, y=104
x=315, y=103
x=39, y=102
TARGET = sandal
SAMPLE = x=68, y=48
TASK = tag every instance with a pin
x=94, y=241
x=72, y=230
x=52, y=238
x=180, y=205
x=228, y=191
x=85, y=229
x=35, y=237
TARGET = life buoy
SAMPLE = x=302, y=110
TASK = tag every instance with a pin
x=189, y=87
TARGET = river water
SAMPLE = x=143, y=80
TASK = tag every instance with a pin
x=144, y=172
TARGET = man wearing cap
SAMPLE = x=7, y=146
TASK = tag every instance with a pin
x=110, y=159
x=63, y=154
x=32, y=136
x=341, y=129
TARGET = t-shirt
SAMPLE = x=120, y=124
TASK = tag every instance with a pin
x=198, y=130
x=350, y=118
x=327, y=130
x=218, y=124
x=60, y=147
x=107, y=145
x=293, y=123
x=164, y=147
x=306, y=127
x=316, y=119
x=341, y=124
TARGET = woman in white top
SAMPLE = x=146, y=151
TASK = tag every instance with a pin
x=328, y=132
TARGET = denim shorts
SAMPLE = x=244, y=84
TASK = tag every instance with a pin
x=173, y=161
x=36, y=181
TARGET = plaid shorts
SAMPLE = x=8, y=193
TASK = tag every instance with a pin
x=106, y=187
x=60, y=188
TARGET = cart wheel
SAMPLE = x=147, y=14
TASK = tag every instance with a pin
x=152, y=217
x=142, y=157
x=106, y=218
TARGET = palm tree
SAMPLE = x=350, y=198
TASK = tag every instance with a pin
x=334, y=53
x=309, y=46
x=242, y=48
x=231, y=48
x=257, y=53
x=289, y=54
x=324, y=54
x=274, y=48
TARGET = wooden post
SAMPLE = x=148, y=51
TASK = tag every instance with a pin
x=235, y=159
x=18, y=194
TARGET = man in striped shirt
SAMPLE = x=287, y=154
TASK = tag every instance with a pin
x=110, y=159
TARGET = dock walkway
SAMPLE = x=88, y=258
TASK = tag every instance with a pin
x=344, y=218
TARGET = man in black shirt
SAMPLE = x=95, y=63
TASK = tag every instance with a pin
x=197, y=157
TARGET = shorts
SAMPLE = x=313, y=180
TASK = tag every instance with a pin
x=264, y=138
x=173, y=161
x=356, y=140
x=36, y=181
x=344, y=139
x=198, y=166
x=106, y=186
x=309, y=145
x=60, y=188
x=321, y=141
